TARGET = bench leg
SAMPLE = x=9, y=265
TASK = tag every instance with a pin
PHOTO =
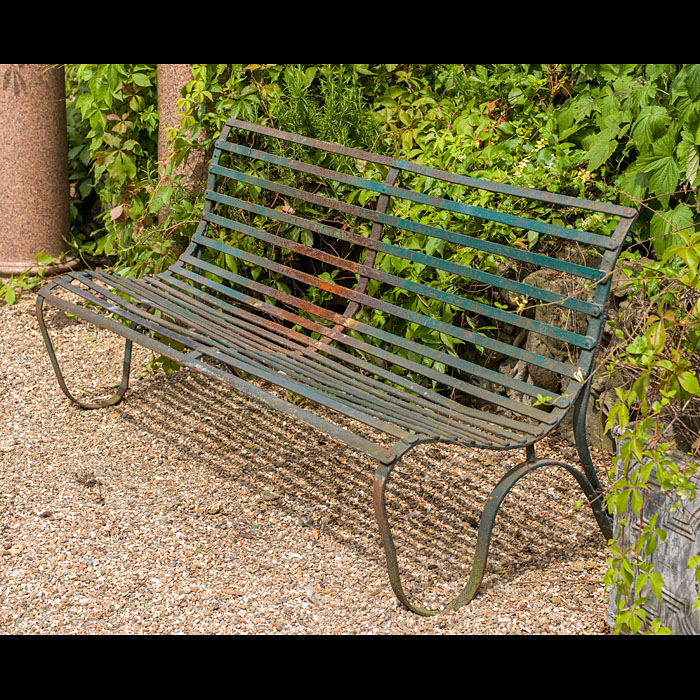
x=59, y=375
x=488, y=518
x=584, y=453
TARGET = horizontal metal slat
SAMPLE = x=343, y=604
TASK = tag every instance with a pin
x=416, y=168
x=415, y=256
x=499, y=249
x=439, y=356
x=384, y=455
x=257, y=350
x=510, y=220
x=492, y=312
x=211, y=348
x=421, y=394
x=397, y=311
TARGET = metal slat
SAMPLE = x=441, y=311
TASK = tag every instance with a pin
x=250, y=346
x=504, y=251
x=350, y=389
x=509, y=220
x=417, y=421
x=415, y=256
x=418, y=169
x=214, y=350
x=418, y=393
x=492, y=312
x=407, y=403
x=382, y=454
x=377, y=391
x=405, y=314
x=456, y=363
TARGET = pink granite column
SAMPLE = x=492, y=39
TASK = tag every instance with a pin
x=172, y=77
x=34, y=196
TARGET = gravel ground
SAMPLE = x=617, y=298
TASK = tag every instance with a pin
x=189, y=510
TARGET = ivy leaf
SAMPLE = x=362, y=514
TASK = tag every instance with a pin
x=664, y=170
x=636, y=502
x=687, y=110
x=602, y=148
x=665, y=177
x=665, y=225
x=160, y=198
x=689, y=382
x=141, y=80
x=692, y=80
x=634, y=185
x=650, y=125
x=572, y=117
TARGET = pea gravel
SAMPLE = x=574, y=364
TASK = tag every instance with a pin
x=190, y=510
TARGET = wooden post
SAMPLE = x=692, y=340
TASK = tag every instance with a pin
x=34, y=195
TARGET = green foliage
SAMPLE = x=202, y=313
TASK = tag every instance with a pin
x=217, y=92
x=29, y=279
x=118, y=106
x=145, y=216
x=324, y=103
x=662, y=360
x=639, y=125
x=114, y=152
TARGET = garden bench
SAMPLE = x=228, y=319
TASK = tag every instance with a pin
x=345, y=278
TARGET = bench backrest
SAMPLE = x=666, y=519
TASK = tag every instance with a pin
x=373, y=255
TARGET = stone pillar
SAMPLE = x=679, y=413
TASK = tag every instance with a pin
x=172, y=77
x=34, y=194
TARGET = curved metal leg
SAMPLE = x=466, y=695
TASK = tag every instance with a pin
x=488, y=518
x=114, y=400
x=584, y=453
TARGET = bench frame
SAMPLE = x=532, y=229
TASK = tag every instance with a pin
x=196, y=355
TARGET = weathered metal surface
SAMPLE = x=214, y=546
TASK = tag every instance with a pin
x=366, y=271
x=417, y=197
x=284, y=280
x=389, y=162
x=126, y=364
x=488, y=518
x=524, y=256
x=375, y=246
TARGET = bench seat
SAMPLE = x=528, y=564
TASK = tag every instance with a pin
x=211, y=328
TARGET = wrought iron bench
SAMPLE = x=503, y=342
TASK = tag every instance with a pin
x=310, y=270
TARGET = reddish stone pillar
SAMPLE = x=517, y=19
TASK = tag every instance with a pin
x=172, y=77
x=34, y=195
